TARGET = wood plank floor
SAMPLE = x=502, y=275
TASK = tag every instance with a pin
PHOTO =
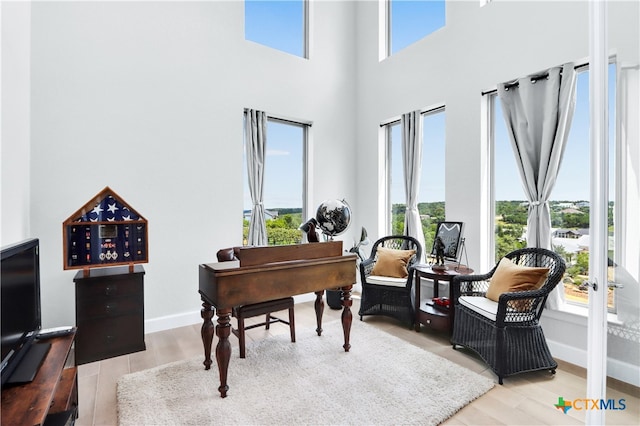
x=524, y=399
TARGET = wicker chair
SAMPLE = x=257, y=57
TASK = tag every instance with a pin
x=387, y=295
x=507, y=334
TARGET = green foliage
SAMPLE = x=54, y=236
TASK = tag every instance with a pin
x=575, y=220
x=511, y=220
x=582, y=262
x=286, y=221
x=281, y=231
x=506, y=244
x=283, y=236
x=430, y=215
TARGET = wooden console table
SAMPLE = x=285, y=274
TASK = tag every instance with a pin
x=438, y=317
x=52, y=394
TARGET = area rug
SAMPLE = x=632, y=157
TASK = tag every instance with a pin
x=383, y=380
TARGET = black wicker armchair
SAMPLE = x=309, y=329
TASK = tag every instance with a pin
x=506, y=334
x=389, y=295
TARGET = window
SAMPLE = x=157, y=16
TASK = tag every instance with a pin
x=284, y=182
x=431, y=199
x=411, y=20
x=281, y=25
x=569, y=201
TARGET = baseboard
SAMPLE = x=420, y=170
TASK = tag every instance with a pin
x=618, y=370
x=193, y=317
x=172, y=321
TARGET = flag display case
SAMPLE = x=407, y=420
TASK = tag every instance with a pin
x=106, y=231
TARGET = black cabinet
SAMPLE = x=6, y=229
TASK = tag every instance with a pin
x=109, y=313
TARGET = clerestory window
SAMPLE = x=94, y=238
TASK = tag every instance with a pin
x=281, y=25
x=408, y=21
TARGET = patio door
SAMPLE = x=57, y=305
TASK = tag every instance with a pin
x=614, y=267
x=599, y=202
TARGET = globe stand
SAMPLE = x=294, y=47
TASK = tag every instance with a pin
x=333, y=218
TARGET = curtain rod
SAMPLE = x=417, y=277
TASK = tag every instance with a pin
x=533, y=77
x=398, y=120
x=284, y=120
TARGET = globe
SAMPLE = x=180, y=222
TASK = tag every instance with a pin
x=333, y=217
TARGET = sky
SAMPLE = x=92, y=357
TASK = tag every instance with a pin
x=279, y=24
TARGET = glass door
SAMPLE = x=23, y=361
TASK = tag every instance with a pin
x=613, y=346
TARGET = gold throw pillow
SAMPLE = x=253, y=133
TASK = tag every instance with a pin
x=392, y=263
x=510, y=277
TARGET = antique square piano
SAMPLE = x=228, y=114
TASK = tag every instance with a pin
x=267, y=273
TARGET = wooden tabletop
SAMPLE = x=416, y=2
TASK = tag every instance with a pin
x=450, y=271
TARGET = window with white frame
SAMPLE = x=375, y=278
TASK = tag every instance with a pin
x=431, y=198
x=284, y=182
x=408, y=21
x=569, y=201
x=281, y=25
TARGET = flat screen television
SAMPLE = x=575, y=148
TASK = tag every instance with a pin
x=21, y=315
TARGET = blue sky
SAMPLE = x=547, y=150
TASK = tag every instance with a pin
x=283, y=167
x=280, y=25
x=413, y=20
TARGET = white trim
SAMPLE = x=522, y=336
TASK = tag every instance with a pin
x=598, y=114
x=384, y=34
x=172, y=321
x=575, y=318
x=184, y=319
x=488, y=185
x=616, y=369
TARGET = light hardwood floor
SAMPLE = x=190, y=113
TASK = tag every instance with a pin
x=524, y=399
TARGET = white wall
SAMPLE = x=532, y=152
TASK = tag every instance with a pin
x=147, y=98
x=15, y=122
x=478, y=48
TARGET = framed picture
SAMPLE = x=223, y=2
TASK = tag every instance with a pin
x=450, y=233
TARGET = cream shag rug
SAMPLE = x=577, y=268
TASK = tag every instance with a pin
x=382, y=380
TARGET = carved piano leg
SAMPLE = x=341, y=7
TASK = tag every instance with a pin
x=319, y=305
x=346, y=316
x=223, y=349
x=207, y=332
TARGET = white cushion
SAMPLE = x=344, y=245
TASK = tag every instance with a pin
x=489, y=309
x=480, y=304
x=389, y=281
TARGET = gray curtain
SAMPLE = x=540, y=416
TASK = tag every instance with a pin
x=411, y=124
x=538, y=110
x=255, y=143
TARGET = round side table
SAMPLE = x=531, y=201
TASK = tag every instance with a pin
x=437, y=317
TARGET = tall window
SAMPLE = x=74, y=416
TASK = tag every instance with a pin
x=569, y=202
x=284, y=182
x=411, y=20
x=431, y=199
x=281, y=25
